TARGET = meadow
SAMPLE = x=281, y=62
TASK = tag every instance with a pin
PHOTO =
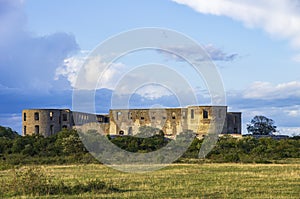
x=226, y=180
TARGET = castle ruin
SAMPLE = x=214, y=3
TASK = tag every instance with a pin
x=171, y=121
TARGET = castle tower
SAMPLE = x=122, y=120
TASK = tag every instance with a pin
x=45, y=122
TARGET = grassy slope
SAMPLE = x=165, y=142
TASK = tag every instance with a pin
x=188, y=181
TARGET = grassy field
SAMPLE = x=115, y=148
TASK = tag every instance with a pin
x=184, y=181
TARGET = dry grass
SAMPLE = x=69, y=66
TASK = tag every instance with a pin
x=188, y=181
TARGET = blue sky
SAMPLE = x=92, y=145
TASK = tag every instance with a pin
x=254, y=44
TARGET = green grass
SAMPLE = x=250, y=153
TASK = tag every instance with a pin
x=183, y=181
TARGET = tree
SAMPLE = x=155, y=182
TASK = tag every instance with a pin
x=6, y=132
x=261, y=125
x=69, y=142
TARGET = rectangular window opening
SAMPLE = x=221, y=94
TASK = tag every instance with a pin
x=183, y=114
x=235, y=119
x=192, y=114
x=36, y=116
x=129, y=115
x=65, y=117
x=37, y=129
x=205, y=114
x=51, y=115
x=118, y=114
x=51, y=129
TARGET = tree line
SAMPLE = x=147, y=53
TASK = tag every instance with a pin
x=67, y=147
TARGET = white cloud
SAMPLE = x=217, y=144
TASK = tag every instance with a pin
x=153, y=91
x=90, y=70
x=291, y=131
x=279, y=18
x=293, y=113
x=267, y=90
x=279, y=102
x=71, y=67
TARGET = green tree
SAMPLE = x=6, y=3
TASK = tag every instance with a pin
x=261, y=125
x=6, y=132
x=69, y=142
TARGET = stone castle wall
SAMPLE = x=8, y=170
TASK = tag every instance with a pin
x=45, y=122
x=199, y=119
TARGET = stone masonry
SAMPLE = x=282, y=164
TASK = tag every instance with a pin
x=172, y=121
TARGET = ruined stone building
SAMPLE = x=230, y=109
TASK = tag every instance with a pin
x=47, y=122
x=127, y=121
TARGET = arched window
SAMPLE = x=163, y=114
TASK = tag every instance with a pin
x=118, y=115
x=173, y=116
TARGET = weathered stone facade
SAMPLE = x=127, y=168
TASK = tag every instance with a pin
x=127, y=121
x=46, y=121
x=175, y=120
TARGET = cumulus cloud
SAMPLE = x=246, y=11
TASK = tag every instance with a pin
x=70, y=67
x=277, y=101
x=291, y=131
x=153, y=91
x=28, y=61
x=279, y=18
x=269, y=91
x=84, y=72
x=293, y=113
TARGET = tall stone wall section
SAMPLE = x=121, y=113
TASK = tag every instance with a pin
x=199, y=119
x=45, y=122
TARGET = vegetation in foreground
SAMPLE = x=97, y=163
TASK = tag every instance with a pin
x=36, y=181
x=66, y=148
x=174, y=181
